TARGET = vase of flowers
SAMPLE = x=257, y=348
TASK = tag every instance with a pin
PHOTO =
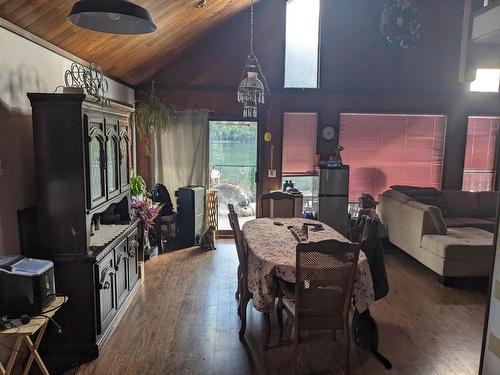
x=147, y=213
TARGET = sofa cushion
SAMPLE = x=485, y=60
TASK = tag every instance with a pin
x=477, y=222
x=461, y=244
x=461, y=204
x=394, y=194
x=426, y=195
x=454, y=222
x=487, y=201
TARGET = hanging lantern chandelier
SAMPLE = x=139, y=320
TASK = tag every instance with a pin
x=252, y=90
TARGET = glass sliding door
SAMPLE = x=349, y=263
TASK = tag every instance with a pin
x=233, y=166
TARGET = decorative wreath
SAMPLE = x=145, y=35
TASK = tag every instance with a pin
x=401, y=22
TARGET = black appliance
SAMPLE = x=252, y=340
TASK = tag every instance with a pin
x=191, y=214
x=26, y=285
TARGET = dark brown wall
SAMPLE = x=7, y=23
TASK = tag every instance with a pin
x=360, y=71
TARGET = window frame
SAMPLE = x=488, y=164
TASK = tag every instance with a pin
x=319, y=55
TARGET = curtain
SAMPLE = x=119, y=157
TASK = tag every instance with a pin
x=180, y=156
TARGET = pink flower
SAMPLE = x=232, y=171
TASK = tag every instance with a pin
x=146, y=213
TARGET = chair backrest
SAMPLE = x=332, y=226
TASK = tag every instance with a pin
x=240, y=244
x=282, y=204
x=325, y=278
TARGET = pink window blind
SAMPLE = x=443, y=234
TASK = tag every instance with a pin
x=385, y=150
x=480, y=153
x=299, y=143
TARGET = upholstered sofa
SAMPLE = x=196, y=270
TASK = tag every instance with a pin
x=449, y=231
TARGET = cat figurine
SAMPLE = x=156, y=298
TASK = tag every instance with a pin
x=207, y=239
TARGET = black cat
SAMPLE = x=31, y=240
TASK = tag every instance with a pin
x=365, y=335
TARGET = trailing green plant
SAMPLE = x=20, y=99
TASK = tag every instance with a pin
x=152, y=116
x=137, y=186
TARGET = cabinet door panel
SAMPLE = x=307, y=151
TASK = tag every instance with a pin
x=106, y=292
x=112, y=157
x=96, y=161
x=121, y=269
x=133, y=256
x=124, y=158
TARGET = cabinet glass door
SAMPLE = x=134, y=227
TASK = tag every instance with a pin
x=124, y=158
x=112, y=160
x=96, y=163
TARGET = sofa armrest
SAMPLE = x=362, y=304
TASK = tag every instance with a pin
x=407, y=221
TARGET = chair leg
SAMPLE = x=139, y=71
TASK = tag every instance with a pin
x=245, y=297
x=267, y=319
x=238, y=291
x=347, y=351
x=296, y=348
x=279, y=315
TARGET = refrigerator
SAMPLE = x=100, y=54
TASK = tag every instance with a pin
x=333, y=197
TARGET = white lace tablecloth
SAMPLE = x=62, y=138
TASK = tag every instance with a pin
x=271, y=254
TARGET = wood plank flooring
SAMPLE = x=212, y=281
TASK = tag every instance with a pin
x=184, y=321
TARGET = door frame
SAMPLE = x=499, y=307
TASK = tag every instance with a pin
x=229, y=233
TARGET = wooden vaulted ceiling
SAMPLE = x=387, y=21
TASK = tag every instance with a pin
x=134, y=59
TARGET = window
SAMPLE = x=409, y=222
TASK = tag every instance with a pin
x=299, y=152
x=384, y=150
x=480, y=153
x=299, y=143
x=487, y=80
x=302, y=43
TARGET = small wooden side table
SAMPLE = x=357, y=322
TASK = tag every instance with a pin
x=24, y=332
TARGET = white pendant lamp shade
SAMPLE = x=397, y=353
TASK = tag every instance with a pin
x=112, y=16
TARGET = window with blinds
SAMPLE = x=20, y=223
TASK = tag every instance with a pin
x=299, y=143
x=391, y=149
x=479, y=165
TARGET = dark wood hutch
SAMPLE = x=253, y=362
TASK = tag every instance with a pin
x=82, y=162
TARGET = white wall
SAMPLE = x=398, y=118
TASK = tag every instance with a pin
x=26, y=67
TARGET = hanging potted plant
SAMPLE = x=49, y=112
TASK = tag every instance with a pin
x=151, y=116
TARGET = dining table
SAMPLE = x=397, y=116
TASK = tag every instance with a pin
x=271, y=249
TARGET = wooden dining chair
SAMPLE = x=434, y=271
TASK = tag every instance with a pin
x=244, y=293
x=282, y=205
x=325, y=273
x=235, y=222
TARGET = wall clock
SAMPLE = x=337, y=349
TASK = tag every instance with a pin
x=328, y=133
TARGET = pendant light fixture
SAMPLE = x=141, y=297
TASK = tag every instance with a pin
x=112, y=16
x=252, y=91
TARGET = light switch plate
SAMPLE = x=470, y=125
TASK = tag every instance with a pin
x=271, y=173
x=3, y=168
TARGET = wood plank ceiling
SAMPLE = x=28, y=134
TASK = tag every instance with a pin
x=134, y=59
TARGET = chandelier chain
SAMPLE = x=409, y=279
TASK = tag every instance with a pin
x=251, y=27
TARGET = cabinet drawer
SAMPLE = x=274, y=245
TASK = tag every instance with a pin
x=106, y=292
x=133, y=256
x=121, y=272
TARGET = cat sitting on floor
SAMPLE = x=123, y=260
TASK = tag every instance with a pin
x=207, y=239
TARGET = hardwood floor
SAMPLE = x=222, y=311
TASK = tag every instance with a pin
x=184, y=321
